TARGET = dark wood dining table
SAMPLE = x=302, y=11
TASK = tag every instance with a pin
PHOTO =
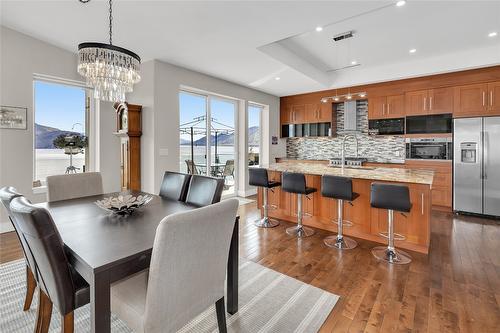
x=105, y=248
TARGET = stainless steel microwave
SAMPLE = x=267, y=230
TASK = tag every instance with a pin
x=429, y=148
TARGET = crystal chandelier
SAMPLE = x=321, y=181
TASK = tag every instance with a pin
x=111, y=70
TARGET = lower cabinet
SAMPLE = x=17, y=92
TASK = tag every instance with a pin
x=367, y=222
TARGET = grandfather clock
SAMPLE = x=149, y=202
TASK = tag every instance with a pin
x=129, y=130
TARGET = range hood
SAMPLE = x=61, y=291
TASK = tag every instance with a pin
x=350, y=117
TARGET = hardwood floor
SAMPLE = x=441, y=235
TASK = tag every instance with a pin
x=456, y=288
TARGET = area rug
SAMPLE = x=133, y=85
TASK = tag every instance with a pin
x=268, y=302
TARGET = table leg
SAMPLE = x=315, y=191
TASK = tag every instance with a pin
x=232, y=270
x=100, y=303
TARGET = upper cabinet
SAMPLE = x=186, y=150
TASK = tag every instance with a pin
x=477, y=100
x=306, y=113
x=386, y=107
x=429, y=101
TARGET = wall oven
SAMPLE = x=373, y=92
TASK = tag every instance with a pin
x=429, y=148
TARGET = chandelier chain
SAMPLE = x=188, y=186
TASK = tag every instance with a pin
x=110, y=22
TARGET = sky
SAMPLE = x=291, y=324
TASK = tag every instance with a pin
x=59, y=106
x=192, y=106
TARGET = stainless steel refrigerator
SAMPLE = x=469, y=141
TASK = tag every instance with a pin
x=476, y=165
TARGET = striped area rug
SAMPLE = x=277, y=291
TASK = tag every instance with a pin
x=268, y=302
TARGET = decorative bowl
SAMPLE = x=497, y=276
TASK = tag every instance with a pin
x=123, y=204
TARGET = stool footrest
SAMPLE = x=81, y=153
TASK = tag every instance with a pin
x=398, y=237
x=345, y=223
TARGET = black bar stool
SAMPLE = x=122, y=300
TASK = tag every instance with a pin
x=258, y=177
x=339, y=188
x=393, y=198
x=296, y=183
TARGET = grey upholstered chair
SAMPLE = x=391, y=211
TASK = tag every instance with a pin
x=186, y=275
x=77, y=185
x=174, y=185
x=204, y=190
x=6, y=196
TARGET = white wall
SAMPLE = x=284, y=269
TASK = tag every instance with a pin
x=22, y=56
x=167, y=80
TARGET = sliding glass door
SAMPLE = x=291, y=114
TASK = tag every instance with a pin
x=203, y=116
x=254, y=134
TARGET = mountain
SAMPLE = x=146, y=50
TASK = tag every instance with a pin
x=228, y=139
x=45, y=135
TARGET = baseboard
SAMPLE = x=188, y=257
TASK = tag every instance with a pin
x=6, y=227
x=441, y=208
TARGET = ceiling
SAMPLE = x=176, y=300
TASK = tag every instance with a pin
x=253, y=42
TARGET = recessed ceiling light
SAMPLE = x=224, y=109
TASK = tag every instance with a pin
x=412, y=50
x=277, y=78
x=492, y=34
x=354, y=62
x=400, y=3
x=318, y=28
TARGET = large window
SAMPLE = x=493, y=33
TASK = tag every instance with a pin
x=203, y=116
x=254, y=134
x=61, y=127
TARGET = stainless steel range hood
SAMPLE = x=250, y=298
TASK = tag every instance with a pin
x=350, y=117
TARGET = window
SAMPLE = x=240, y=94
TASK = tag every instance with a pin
x=254, y=134
x=61, y=127
x=211, y=116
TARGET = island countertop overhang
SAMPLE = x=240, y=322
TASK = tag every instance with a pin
x=412, y=176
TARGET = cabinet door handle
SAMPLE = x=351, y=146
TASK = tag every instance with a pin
x=388, y=108
x=422, y=203
x=484, y=98
x=425, y=103
x=491, y=98
x=430, y=103
x=383, y=109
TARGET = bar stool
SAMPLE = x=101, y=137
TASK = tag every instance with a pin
x=258, y=177
x=339, y=188
x=393, y=198
x=296, y=183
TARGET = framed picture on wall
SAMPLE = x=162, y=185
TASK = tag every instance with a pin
x=13, y=117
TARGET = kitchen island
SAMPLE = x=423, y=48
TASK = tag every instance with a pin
x=367, y=222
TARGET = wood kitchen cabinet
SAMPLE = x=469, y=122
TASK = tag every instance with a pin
x=494, y=98
x=311, y=113
x=286, y=114
x=429, y=101
x=298, y=114
x=386, y=107
x=471, y=100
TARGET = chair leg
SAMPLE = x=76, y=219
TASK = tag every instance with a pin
x=44, y=313
x=220, y=308
x=68, y=323
x=30, y=289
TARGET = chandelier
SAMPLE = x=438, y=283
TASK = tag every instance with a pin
x=111, y=70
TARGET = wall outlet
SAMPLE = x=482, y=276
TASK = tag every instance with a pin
x=163, y=151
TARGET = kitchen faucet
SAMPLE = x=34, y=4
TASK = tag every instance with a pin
x=343, y=147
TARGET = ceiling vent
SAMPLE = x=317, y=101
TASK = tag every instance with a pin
x=342, y=36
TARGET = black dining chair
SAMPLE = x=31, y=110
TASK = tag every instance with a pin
x=174, y=185
x=6, y=196
x=204, y=190
x=59, y=284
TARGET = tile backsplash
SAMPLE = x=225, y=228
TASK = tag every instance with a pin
x=374, y=148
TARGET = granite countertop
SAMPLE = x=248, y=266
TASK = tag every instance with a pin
x=372, y=173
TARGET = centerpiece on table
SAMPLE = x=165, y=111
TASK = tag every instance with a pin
x=123, y=204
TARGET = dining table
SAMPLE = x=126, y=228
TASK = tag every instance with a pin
x=104, y=247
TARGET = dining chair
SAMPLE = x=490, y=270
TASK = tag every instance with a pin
x=6, y=196
x=186, y=275
x=174, y=185
x=59, y=284
x=77, y=185
x=191, y=167
x=204, y=190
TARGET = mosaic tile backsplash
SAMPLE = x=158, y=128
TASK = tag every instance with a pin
x=373, y=148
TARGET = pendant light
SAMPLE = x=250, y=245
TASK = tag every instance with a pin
x=111, y=70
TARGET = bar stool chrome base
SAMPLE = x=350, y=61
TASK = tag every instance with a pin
x=341, y=243
x=266, y=222
x=391, y=256
x=300, y=231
